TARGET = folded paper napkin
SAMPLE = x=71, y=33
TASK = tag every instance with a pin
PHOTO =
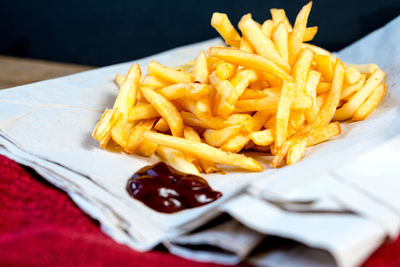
x=53, y=231
x=349, y=184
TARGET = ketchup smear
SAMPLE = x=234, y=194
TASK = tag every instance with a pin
x=167, y=190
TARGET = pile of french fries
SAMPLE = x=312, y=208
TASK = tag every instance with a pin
x=268, y=90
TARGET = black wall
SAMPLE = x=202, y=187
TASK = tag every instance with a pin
x=106, y=32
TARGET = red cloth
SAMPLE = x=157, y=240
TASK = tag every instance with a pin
x=41, y=226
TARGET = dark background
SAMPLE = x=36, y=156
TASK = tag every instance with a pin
x=106, y=32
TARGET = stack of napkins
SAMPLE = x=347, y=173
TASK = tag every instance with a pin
x=339, y=203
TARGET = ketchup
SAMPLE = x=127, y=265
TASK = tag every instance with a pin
x=167, y=190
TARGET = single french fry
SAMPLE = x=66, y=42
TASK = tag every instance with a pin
x=321, y=99
x=350, y=107
x=279, y=16
x=370, y=104
x=205, y=151
x=246, y=46
x=190, y=134
x=142, y=112
x=119, y=79
x=280, y=38
x=124, y=102
x=146, y=148
x=271, y=103
x=102, y=131
x=257, y=121
x=236, y=143
x=253, y=93
x=216, y=138
x=349, y=90
x=297, y=119
x=222, y=24
x=325, y=66
x=297, y=36
x=176, y=159
x=166, y=109
x=267, y=27
x=353, y=75
x=135, y=137
x=169, y=74
x=318, y=51
x=261, y=43
x=245, y=59
x=327, y=111
x=363, y=68
x=311, y=89
x=225, y=70
x=310, y=33
x=203, y=107
x=301, y=69
x=283, y=113
x=213, y=122
x=161, y=126
x=200, y=68
x=180, y=90
x=187, y=104
x=323, y=87
x=152, y=81
x=262, y=138
x=296, y=151
x=323, y=133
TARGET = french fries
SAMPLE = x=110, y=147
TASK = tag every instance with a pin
x=268, y=91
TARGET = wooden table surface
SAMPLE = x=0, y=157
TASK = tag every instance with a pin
x=17, y=71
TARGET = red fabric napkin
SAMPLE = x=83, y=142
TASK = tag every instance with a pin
x=41, y=226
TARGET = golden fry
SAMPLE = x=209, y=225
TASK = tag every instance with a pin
x=216, y=138
x=283, y=113
x=200, y=68
x=177, y=159
x=166, y=109
x=119, y=79
x=267, y=27
x=370, y=104
x=205, y=151
x=124, y=102
x=297, y=36
x=245, y=59
x=161, y=126
x=271, y=103
x=323, y=133
x=169, y=74
x=296, y=151
x=280, y=38
x=349, y=90
x=311, y=90
x=222, y=24
x=262, y=138
x=279, y=16
x=142, y=112
x=349, y=108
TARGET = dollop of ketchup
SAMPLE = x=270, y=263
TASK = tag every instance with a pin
x=167, y=190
